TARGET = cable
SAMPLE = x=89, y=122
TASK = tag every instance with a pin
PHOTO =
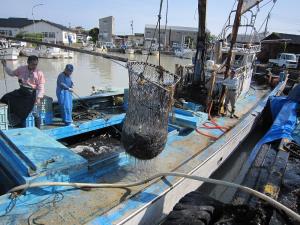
x=268, y=199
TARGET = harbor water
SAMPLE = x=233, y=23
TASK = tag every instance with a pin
x=89, y=71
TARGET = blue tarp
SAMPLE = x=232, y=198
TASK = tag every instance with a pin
x=284, y=112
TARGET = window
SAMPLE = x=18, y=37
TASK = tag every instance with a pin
x=51, y=35
x=291, y=57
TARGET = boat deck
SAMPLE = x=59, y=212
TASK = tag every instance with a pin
x=185, y=151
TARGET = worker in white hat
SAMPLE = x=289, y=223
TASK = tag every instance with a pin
x=232, y=85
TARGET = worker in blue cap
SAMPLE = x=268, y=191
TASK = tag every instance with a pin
x=64, y=89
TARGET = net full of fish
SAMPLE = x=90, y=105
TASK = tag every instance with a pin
x=151, y=90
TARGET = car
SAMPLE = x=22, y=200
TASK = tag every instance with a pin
x=285, y=60
x=109, y=45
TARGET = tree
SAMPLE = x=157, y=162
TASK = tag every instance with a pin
x=211, y=38
x=94, y=34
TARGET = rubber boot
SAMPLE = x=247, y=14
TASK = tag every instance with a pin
x=232, y=113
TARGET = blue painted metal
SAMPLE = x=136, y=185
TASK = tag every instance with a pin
x=84, y=127
x=42, y=154
x=187, y=119
x=183, y=153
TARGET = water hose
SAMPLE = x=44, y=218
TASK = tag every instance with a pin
x=262, y=196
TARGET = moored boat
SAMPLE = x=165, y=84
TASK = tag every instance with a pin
x=9, y=53
x=129, y=51
x=196, y=144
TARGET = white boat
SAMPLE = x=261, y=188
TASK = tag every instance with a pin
x=88, y=48
x=154, y=52
x=129, y=51
x=9, y=53
x=67, y=54
x=185, y=53
x=43, y=52
x=145, y=52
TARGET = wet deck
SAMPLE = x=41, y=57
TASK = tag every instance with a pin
x=81, y=206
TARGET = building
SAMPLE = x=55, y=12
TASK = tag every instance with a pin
x=173, y=35
x=276, y=43
x=106, y=29
x=135, y=40
x=81, y=34
x=247, y=38
x=51, y=32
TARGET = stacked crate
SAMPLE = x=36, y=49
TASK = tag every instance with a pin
x=42, y=114
x=3, y=117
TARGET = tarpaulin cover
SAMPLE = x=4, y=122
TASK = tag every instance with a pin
x=285, y=114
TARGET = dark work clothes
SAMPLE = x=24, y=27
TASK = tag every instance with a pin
x=20, y=103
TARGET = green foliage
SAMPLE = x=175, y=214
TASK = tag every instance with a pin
x=33, y=36
x=211, y=38
x=94, y=34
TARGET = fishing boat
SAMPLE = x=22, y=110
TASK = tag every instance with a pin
x=196, y=144
x=154, y=52
x=46, y=52
x=185, y=53
x=145, y=52
x=129, y=51
x=270, y=168
x=7, y=51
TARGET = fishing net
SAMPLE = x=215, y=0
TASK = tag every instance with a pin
x=145, y=129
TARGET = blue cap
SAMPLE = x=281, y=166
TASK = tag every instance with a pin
x=69, y=67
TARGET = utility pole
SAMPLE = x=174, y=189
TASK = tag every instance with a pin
x=235, y=29
x=199, y=75
x=33, y=15
x=131, y=25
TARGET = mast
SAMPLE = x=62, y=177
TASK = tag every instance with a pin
x=235, y=29
x=201, y=44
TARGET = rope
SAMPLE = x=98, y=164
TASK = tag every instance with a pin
x=262, y=196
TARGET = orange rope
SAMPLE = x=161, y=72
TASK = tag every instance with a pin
x=213, y=122
x=207, y=135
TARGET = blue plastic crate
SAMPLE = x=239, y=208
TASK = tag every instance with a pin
x=46, y=118
x=29, y=122
x=3, y=117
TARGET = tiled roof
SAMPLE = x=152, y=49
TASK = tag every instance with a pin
x=291, y=38
x=15, y=22
x=23, y=22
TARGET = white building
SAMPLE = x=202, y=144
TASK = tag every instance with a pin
x=106, y=29
x=173, y=35
x=51, y=32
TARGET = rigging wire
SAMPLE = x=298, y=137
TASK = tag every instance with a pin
x=265, y=20
x=224, y=26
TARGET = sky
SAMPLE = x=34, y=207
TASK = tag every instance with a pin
x=86, y=13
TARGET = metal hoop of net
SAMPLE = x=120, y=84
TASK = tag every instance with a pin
x=151, y=90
